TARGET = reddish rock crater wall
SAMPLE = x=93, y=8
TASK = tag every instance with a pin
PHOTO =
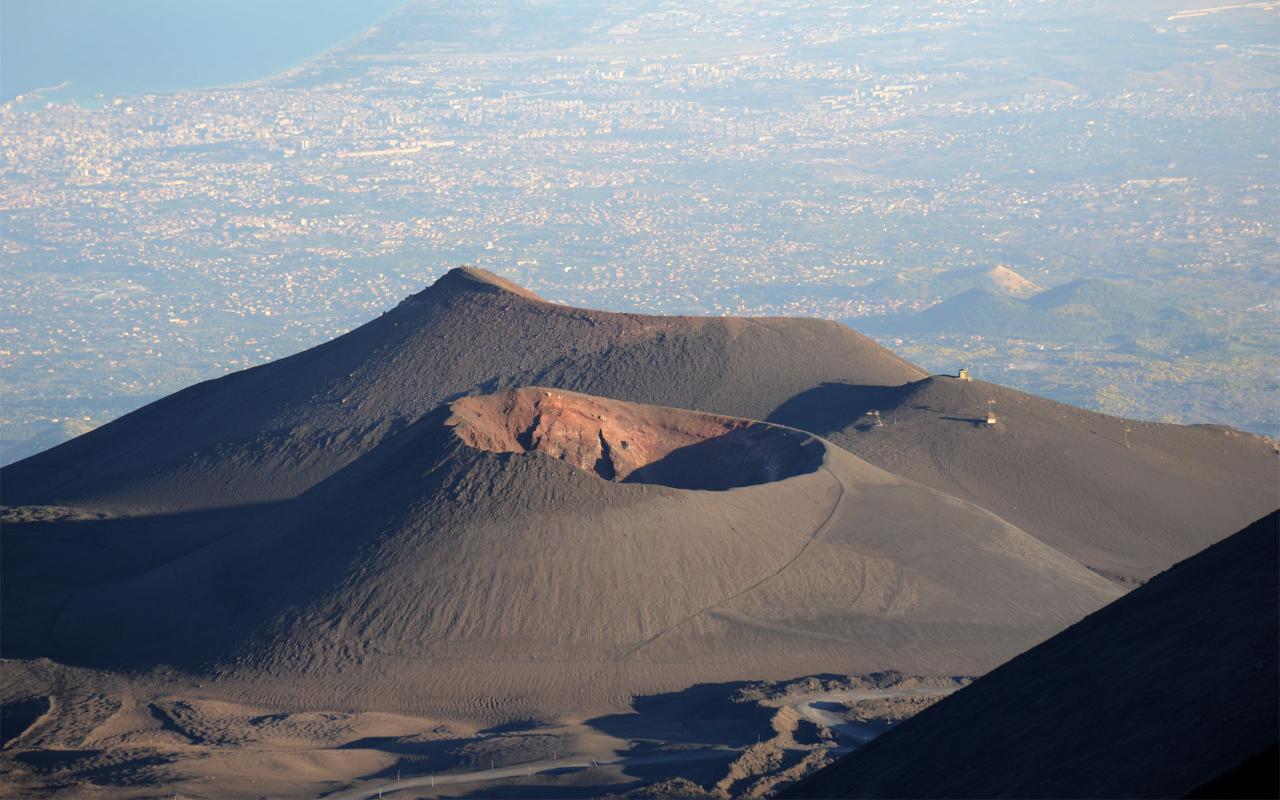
x=620, y=441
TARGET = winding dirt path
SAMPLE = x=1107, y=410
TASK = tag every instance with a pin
x=813, y=537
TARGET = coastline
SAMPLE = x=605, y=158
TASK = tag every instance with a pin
x=92, y=98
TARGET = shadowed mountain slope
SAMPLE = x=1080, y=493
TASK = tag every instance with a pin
x=481, y=559
x=1155, y=695
x=1063, y=474
x=271, y=432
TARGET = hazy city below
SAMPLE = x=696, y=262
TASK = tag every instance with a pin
x=1074, y=198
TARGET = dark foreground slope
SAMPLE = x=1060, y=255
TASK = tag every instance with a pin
x=531, y=553
x=271, y=432
x=1127, y=503
x=1155, y=695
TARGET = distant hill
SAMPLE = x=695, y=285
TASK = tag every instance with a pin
x=918, y=286
x=1087, y=310
x=1004, y=279
x=1159, y=694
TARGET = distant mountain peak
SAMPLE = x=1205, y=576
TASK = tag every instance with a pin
x=1011, y=282
x=469, y=280
x=929, y=285
x=469, y=332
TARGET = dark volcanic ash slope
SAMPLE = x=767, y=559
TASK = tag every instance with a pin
x=1155, y=695
x=273, y=431
x=270, y=433
x=1063, y=474
x=529, y=550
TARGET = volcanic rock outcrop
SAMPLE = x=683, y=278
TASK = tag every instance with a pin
x=635, y=443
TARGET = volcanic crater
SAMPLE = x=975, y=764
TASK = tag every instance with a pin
x=634, y=443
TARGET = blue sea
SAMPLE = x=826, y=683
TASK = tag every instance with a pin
x=113, y=47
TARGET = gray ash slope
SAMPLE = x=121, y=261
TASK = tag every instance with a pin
x=1126, y=504
x=273, y=431
x=1060, y=473
x=433, y=575
x=1156, y=695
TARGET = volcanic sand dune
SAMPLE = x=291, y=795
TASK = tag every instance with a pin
x=273, y=431
x=437, y=576
x=1127, y=504
x=1155, y=695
